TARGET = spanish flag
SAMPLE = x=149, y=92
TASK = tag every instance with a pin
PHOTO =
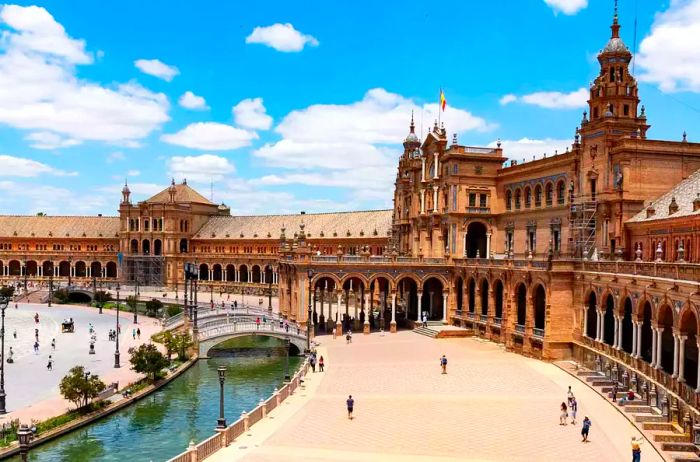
x=443, y=101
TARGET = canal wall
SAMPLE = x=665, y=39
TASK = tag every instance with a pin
x=225, y=436
x=97, y=415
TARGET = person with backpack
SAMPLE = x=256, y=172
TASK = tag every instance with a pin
x=443, y=364
x=585, y=428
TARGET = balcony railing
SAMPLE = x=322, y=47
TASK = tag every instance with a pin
x=497, y=321
x=520, y=329
x=479, y=210
x=483, y=318
x=538, y=332
x=471, y=316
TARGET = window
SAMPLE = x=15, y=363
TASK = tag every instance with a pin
x=145, y=224
x=548, y=193
x=472, y=200
x=517, y=199
x=626, y=109
x=538, y=196
x=560, y=193
x=454, y=197
x=509, y=200
x=527, y=198
x=483, y=201
x=455, y=169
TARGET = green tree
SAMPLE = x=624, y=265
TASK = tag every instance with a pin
x=183, y=342
x=172, y=310
x=153, y=306
x=169, y=343
x=131, y=302
x=7, y=291
x=146, y=359
x=80, y=387
x=41, y=214
x=102, y=297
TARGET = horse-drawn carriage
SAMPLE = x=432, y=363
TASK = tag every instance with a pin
x=67, y=326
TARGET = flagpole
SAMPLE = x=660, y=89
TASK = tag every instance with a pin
x=439, y=106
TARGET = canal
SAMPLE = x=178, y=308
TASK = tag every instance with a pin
x=161, y=425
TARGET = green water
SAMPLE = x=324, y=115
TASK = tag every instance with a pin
x=161, y=425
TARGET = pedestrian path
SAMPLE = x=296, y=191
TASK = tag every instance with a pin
x=491, y=406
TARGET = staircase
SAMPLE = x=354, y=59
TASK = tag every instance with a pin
x=427, y=331
x=667, y=437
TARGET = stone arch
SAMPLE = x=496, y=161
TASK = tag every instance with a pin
x=218, y=272
x=407, y=287
x=665, y=321
x=384, y=275
x=256, y=274
x=96, y=269
x=475, y=239
x=203, y=272
x=146, y=247
x=591, y=314
x=183, y=245
x=459, y=292
x=31, y=268
x=609, y=318
x=498, y=297
x=484, y=292
x=80, y=269
x=445, y=283
x=627, y=326
x=520, y=302
x=243, y=273
x=268, y=272
x=318, y=281
x=14, y=268
x=355, y=277
x=111, y=268
x=64, y=269
x=539, y=305
x=230, y=272
x=688, y=327
x=433, y=289
x=46, y=268
x=646, y=314
x=538, y=195
x=549, y=193
x=527, y=197
x=134, y=246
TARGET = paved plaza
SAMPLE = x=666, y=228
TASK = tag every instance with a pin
x=491, y=406
x=32, y=390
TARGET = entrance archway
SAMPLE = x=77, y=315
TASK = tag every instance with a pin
x=157, y=247
x=689, y=328
x=609, y=320
x=408, y=296
x=498, y=295
x=146, y=247
x=432, y=299
x=64, y=269
x=80, y=269
x=203, y=272
x=256, y=274
x=591, y=316
x=665, y=322
x=96, y=269
x=627, y=326
x=646, y=332
x=134, y=246
x=243, y=273
x=217, y=272
x=540, y=305
x=475, y=240
x=521, y=302
x=111, y=268
x=31, y=268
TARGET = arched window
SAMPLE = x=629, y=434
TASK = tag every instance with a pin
x=509, y=200
x=145, y=224
x=548, y=193
x=517, y=199
x=527, y=197
x=560, y=192
x=538, y=195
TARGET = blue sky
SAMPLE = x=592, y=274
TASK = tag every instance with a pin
x=303, y=106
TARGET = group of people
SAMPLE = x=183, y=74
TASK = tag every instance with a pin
x=571, y=407
x=313, y=361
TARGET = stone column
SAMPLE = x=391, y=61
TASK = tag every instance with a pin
x=422, y=169
x=639, y=339
x=616, y=325
x=435, y=198
x=681, y=357
x=585, y=320
x=659, y=333
x=393, y=313
x=634, y=339
x=436, y=173
x=597, y=325
x=675, y=355
x=420, y=305
x=697, y=389
x=601, y=325
x=422, y=201
x=488, y=245
x=365, y=325
x=338, y=324
x=653, y=346
x=444, y=307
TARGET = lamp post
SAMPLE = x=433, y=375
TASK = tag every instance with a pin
x=221, y=422
x=24, y=435
x=310, y=274
x=24, y=267
x=116, y=350
x=70, y=269
x=136, y=302
x=4, y=301
x=50, y=285
x=287, y=377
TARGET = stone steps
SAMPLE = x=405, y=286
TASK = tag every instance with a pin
x=650, y=418
x=671, y=437
x=638, y=409
x=426, y=331
x=679, y=447
x=658, y=426
x=682, y=457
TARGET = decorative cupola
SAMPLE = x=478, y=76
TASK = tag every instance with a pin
x=673, y=206
x=411, y=143
x=696, y=203
x=126, y=193
x=172, y=190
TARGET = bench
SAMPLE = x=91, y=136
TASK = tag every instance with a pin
x=109, y=391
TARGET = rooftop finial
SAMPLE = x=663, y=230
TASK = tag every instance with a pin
x=172, y=181
x=615, y=25
x=413, y=125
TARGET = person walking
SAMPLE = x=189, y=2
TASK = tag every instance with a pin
x=257, y=322
x=14, y=333
x=636, y=450
x=138, y=333
x=569, y=395
x=36, y=348
x=613, y=393
x=563, y=415
x=133, y=333
x=320, y=364
x=53, y=344
x=585, y=428
x=425, y=320
x=312, y=363
x=574, y=408
x=49, y=365
x=351, y=405
x=443, y=364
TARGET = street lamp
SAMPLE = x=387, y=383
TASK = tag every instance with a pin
x=221, y=422
x=287, y=377
x=309, y=273
x=116, y=350
x=4, y=301
x=70, y=269
x=24, y=435
x=24, y=263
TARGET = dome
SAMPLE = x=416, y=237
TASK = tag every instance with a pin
x=615, y=45
x=412, y=138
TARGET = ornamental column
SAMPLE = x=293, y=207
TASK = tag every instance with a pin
x=639, y=339
x=488, y=245
x=653, y=347
x=435, y=199
x=444, y=308
x=659, y=333
x=437, y=168
x=419, y=308
x=634, y=338
x=675, y=355
x=597, y=325
x=617, y=331
x=585, y=320
x=422, y=169
x=422, y=201
x=681, y=357
x=601, y=325
x=338, y=325
x=393, y=314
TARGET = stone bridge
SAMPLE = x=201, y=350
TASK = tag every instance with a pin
x=212, y=334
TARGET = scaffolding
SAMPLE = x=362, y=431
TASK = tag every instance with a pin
x=582, y=226
x=147, y=270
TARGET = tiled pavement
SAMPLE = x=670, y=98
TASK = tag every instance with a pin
x=491, y=406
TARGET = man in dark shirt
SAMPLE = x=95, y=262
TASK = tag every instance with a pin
x=351, y=403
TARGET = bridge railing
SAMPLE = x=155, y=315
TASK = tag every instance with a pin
x=205, y=311
x=224, y=438
x=230, y=328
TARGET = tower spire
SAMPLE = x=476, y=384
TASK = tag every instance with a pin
x=615, y=25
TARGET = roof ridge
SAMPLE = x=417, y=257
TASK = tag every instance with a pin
x=299, y=214
x=58, y=216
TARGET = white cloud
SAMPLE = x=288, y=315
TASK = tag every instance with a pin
x=39, y=89
x=211, y=136
x=50, y=140
x=281, y=37
x=526, y=148
x=115, y=156
x=507, y=99
x=203, y=168
x=669, y=55
x=157, y=68
x=567, y=6
x=22, y=167
x=551, y=99
x=133, y=173
x=191, y=101
x=37, y=31
x=251, y=113
x=30, y=198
